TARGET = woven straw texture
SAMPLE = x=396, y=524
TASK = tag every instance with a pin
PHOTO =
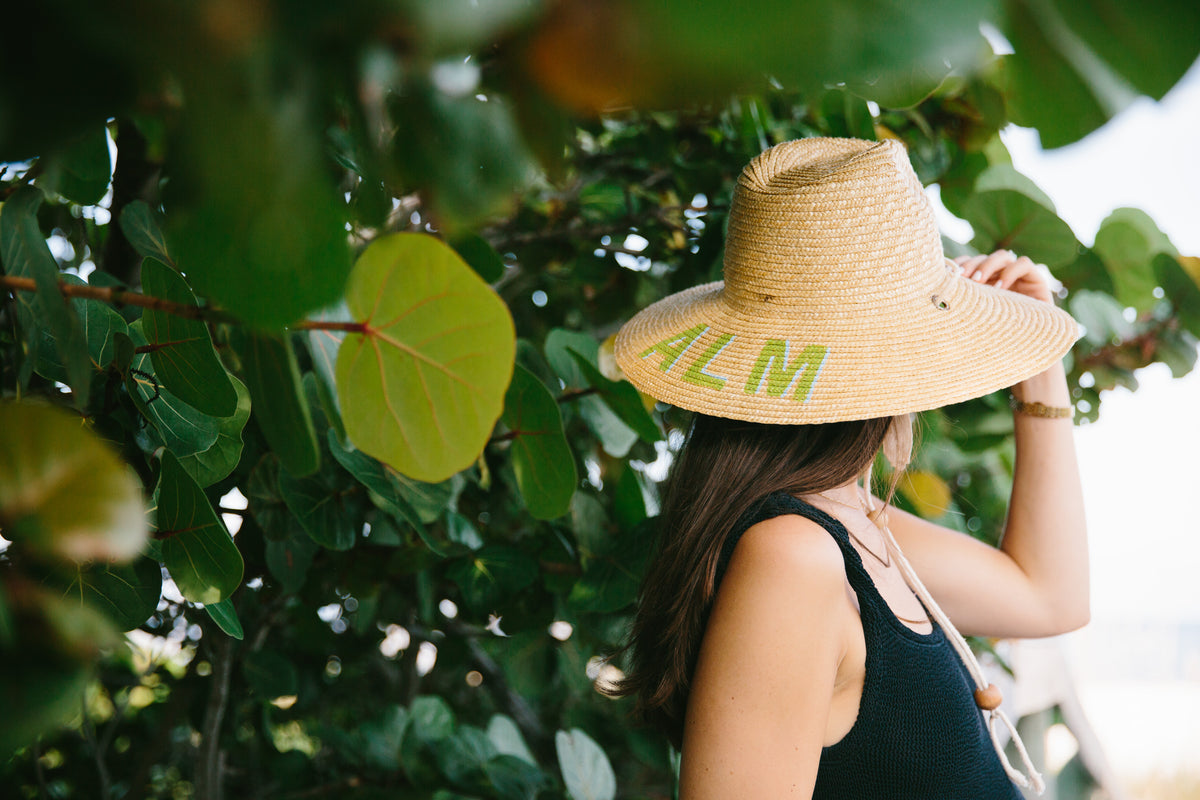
x=837, y=302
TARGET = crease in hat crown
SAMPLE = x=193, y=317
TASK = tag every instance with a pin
x=837, y=302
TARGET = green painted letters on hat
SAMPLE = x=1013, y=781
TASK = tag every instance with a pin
x=780, y=374
x=695, y=373
x=673, y=347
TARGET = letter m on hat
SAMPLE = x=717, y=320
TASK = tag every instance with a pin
x=781, y=376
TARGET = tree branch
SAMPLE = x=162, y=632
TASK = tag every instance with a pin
x=210, y=762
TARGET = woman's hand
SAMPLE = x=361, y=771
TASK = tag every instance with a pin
x=1004, y=269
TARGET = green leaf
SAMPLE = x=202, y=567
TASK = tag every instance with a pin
x=1178, y=350
x=63, y=492
x=323, y=346
x=514, y=778
x=431, y=719
x=615, y=436
x=623, y=398
x=317, y=506
x=585, y=768
x=141, y=228
x=492, y=573
x=257, y=225
x=462, y=755
x=1127, y=242
x=183, y=356
x=288, y=560
x=215, y=463
x=376, y=477
x=605, y=588
x=80, y=170
x=1102, y=317
x=422, y=386
x=1180, y=289
x=270, y=674
x=196, y=548
x=507, y=739
x=542, y=459
x=1008, y=211
x=481, y=256
x=101, y=327
x=225, y=615
x=25, y=254
x=273, y=378
x=183, y=429
x=127, y=593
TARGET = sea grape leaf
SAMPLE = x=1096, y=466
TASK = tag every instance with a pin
x=255, y=173
x=270, y=675
x=278, y=401
x=225, y=615
x=183, y=429
x=140, y=225
x=423, y=384
x=623, y=398
x=585, y=768
x=288, y=560
x=1127, y=242
x=542, y=459
x=507, y=739
x=481, y=256
x=316, y=504
x=25, y=254
x=127, y=593
x=183, y=355
x=63, y=492
x=1102, y=317
x=101, y=326
x=214, y=464
x=1180, y=289
x=1008, y=211
x=492, y=572
x=196, y=548
x=376, y=477
x=615, y=436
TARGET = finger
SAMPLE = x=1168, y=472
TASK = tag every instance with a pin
x=1009, y=274
x=990, y=265
x=970, y=263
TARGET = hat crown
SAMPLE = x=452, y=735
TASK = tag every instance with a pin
x=819, y=218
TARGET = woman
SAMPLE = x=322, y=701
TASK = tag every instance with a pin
x=783, y=640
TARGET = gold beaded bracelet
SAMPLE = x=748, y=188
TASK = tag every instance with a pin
x=1041, y=410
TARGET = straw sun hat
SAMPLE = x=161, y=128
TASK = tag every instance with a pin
x=837, y=302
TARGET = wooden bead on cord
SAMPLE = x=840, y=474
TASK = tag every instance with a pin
x=989, y=697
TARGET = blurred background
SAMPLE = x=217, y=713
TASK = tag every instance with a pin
x=240, y=559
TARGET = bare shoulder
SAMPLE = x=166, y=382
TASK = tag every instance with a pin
x=790, y=545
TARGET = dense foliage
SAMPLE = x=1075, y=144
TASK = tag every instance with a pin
x=341, y=279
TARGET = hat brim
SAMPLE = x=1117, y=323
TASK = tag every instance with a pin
x=938, y=344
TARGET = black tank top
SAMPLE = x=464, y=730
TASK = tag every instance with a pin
x=918, y=735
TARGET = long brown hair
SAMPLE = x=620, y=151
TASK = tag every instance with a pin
x=725, y=466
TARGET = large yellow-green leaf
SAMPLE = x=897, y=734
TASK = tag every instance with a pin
x=183, y=355
x=422, y=384
x=63, y=492
x=541, y=457
x=196, y=548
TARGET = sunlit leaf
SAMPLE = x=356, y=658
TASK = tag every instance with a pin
x=182, y=350
x=422, y=386
x=929, y=495
x=1127, y=242
x=63, y=492
x=278, y=401
x=542, y=459
x=196, y=548
x=585, y=768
